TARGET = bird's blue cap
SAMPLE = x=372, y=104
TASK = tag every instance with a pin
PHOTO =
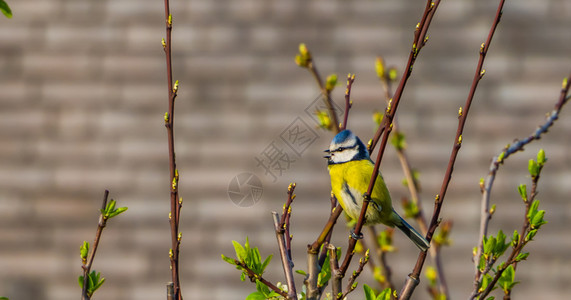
x=342, y=136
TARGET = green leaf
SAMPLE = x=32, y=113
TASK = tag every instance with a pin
x=533, y=209
x=489, y=245
x=99, y=284
x=240, y=251
x=256, y=296
x=369, y=293
x=110, y=206
x=491, y=298
x=262, y=288
x=385, y=294
x=522, y=189
x=117, y=212
x=506, y=281
x=4, y=298
x=522, y=256
x=325, y=273
x=501, y=245
x=8, y=13
x=80, y=281
x=486, y=279
x=228, y=259
x=266, y=262
x=531, y=235
x=537, y=220
x=302, y=272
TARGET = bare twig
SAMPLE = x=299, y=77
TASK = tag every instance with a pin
x=326, y=95
x=89, y=262
x=335, y=276
x=284, y=241
x=351, y=285
x=253, y=277
x=517, y=146
x=413, y=278
x=176, y=204
x=313, y=262
x=381, y=256
x=413, y=188
x=418, y=43
x=348, y=102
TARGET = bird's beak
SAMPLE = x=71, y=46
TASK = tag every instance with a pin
x=328, y=156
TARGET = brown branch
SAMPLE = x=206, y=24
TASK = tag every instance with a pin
x=314, y=263
x=414, y=191
x=413, y=279
x=174, y=216
x=516, y=249
x=89, y=262
x=495, y=165
x=284, y=241
x=351, y=283
x=253, y=277
x=326, y=95
x=348, y=102
x=388, y=119
x=381, y=256
x=336, y=290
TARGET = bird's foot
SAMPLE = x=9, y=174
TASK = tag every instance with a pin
x=355, y=236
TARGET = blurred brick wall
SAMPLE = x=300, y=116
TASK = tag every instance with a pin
x=83, y=93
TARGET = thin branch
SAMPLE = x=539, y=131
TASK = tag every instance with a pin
x=253, y=277
x=351, y=285
x=335, y=276
x=313, y=262
x=89, y=262
x=381, y=256
x=326, y=95
x=284, y=241
x=516, y=250
x=348, y=102
x=517, y=146
x=413, y=279
x=176, y=204
x=413, y=190
x=388, y=119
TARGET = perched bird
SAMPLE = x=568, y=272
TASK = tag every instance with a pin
x=350, y=168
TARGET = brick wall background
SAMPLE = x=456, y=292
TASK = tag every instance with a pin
x=83, y=93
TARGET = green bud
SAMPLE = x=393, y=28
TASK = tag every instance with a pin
x=531, y=235
x=393, y=74
x=522, y=256
x=331, y=82
x=541, y=157
x=522, y=189
x=532, y=168
x=515, y=238
x=380, y=67
x=83, y=251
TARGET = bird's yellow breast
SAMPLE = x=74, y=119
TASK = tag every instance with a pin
x=350, y=180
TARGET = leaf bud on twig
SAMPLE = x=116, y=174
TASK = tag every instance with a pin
x=380, y=67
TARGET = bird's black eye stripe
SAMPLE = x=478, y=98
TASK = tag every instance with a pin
x=343, y=148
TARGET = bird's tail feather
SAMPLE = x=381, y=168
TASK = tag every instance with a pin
x=411, y=233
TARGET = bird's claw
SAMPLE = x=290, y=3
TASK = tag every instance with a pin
x=355, y=236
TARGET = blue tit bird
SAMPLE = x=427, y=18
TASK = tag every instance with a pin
x=350, y=168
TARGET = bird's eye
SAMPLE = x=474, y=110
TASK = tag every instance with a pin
x=339, y=149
